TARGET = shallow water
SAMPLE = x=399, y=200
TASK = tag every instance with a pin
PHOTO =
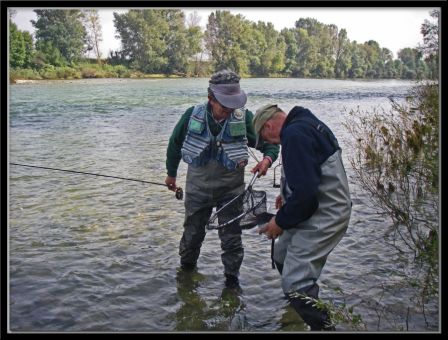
x=98, y=254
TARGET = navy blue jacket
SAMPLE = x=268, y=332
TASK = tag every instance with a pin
x=306, y=144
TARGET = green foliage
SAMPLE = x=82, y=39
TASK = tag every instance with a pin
x=24, y=73
x=20, y=47
x=225, y=40
x=16, y=46
x=46, y=53
x=338, y=313
x=61, y=29
x=397, y=161
x=430, y=47
x=400, y=150
x=158, y=41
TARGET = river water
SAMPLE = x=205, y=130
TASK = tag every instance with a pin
x=95, y=254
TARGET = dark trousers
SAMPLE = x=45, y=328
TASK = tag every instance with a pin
x=194, y=234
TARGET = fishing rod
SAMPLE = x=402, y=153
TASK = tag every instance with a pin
x=179, y=192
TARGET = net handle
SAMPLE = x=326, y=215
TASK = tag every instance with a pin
x=252, y=181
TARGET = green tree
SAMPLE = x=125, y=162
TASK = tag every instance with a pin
x=156, y=40
x=343, y=57
x=430, y=47
x=17, y=49
x=319, y=46
x=47, y=54
x=278, y=62
x=412, y=63
x=62, y=30
x=267, y=51
x=291, y=50
x=195, y=41
x=21, y=47
x=29, y=48
x=141, y=33
x=358, y=65
x=386, y=60
x=177, y=41
x=372, y=59
x=226, y=41
x=307, y=54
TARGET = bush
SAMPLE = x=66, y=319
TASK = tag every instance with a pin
x=397, y=162
x=23, y=73
x=66, y=72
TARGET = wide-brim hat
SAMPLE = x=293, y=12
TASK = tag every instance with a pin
x=229, y=95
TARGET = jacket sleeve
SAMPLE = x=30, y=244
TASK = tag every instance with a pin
x=267, y=149
x=173, y=152
x=303, y=173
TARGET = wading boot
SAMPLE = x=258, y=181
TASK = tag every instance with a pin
x=232, y=281
x=188, y=267
x=317, y=319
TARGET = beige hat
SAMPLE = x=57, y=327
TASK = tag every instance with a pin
x=262, y=115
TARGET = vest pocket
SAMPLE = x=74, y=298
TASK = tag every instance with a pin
x=196, y=125
x=237, y=129
x=234, y=154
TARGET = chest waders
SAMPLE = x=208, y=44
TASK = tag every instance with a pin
x=301, y=252
x=208, y=186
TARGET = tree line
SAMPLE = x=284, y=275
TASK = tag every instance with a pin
x=164, y=41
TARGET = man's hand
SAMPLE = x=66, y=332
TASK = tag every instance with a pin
x=272, y=230
x=171, y=183
x=262, y=167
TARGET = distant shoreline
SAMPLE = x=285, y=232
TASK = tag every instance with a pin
x=156, y=77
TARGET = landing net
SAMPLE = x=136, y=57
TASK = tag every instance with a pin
x=248, y=208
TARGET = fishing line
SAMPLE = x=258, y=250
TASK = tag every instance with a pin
x=252, y=154
x=179, y=191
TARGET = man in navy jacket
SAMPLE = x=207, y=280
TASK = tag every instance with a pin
x=314, y=203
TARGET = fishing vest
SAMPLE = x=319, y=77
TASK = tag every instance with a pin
x=285, y=190
x=229, y=147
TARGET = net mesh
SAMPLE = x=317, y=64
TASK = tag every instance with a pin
x=255, y=206
x=249, y=209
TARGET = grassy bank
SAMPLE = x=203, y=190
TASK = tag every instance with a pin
x=80, y=71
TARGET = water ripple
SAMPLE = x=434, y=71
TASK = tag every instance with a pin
x=97, y=254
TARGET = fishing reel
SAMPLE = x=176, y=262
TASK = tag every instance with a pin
x=179, y=193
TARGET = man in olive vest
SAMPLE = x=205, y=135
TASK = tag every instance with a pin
x=314, y=204
x=212, y=138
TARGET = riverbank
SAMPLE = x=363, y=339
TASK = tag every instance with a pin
x=80, y=71
x=146, y=76
x=89, y=71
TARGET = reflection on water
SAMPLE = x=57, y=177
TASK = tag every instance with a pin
x=226, y=313
x=97, y=254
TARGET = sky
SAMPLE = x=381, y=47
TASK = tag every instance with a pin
x=392, y=27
